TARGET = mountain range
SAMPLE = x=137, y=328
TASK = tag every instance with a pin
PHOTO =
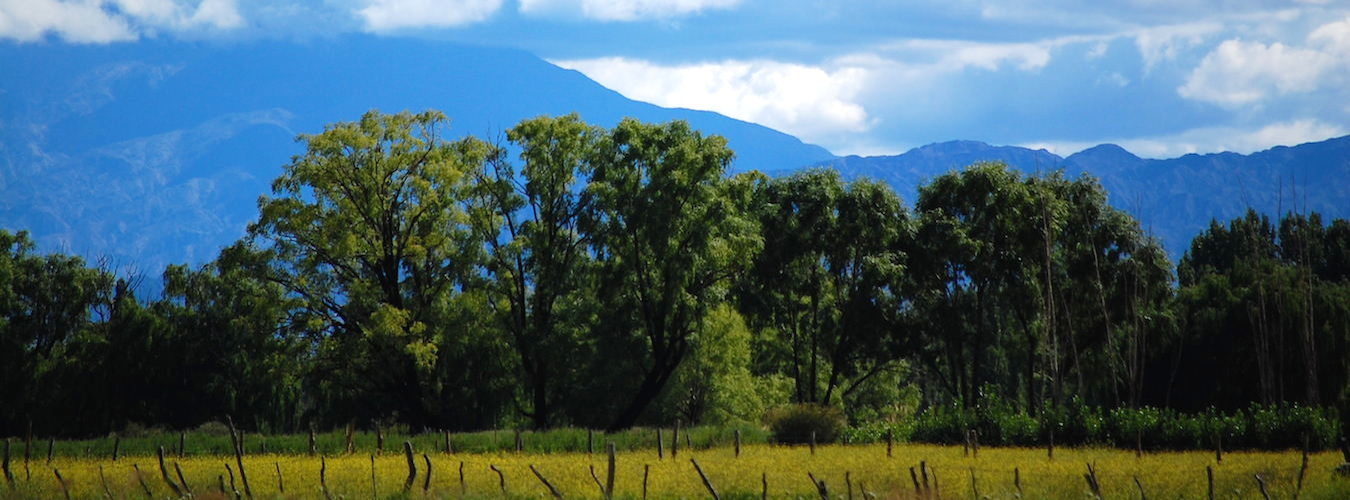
x=155, y=153
x=1174, y=199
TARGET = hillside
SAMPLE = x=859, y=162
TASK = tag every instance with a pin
x=156, y=153
x=1174, y=198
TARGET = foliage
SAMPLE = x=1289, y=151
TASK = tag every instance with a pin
x=1257, y=427
x=801, y=423
x=593, y=277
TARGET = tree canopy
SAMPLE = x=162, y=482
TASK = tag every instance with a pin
x=570, y=274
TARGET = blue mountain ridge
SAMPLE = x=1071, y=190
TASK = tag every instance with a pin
x=156, y=152
x=1174, y=199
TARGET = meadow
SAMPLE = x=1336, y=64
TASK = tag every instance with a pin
x=848, y=471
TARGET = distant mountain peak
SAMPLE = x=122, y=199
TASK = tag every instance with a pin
x=1105, y=156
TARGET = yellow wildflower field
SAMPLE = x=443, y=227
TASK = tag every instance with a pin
x=863, y=471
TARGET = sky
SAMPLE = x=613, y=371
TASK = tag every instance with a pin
x=1162, y=78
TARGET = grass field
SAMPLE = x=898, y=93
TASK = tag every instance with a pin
x=1161, y=475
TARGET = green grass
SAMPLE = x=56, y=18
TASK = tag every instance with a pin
x=214, y=440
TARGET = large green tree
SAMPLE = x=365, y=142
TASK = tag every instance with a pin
x=370, y=230
x=536, y=254
x=668, y=231
x=829, y=280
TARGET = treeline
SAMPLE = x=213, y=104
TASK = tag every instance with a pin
x=583, y=276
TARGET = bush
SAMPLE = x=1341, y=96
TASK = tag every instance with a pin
x=1074, y=424
x=794, y=424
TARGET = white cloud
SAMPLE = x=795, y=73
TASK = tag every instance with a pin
x=77, y=21
x=624, y=10
x=104, y=21
x=1240, y=73
x=959, y=54
x=811, y=102
x=1211, y=139
x=385, y=15
x=1163, y=43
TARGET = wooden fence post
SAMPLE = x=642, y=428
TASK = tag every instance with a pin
x=609, y=473
x=1093, y=485
x=104, y=479
x=660, y=445
x=501, y=478
x=379, y=439
x=323, y=477
x=1209, y=474
x=62, y=481
x=646, y=471
x=675, y=441
x=551, y=490
x=9, y=477
x=738, y=443
x=426, y=481
x=821, y=489
x=141, y=478
x=313, y=443
x=164, y=473
x=706, y=483
x=412, y=466
x=281, y=482
x=181, y=479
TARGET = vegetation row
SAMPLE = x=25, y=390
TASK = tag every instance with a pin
x=573, y=276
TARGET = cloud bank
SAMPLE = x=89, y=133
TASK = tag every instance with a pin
x=105, y=21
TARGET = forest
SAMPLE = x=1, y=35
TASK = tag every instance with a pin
x=569, y=275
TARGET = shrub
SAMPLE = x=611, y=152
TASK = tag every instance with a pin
x=794, y=424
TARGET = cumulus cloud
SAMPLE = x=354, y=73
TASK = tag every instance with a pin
x=624, y=10
x=385, y=15
x=811, y=102
x=1162, y=43
x=104, y=21
x=1211, y=139
x=959, y=54
x=78, y=22
x=1239, y=72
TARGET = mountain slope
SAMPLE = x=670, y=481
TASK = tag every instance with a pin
x=156, y=152
x=1174, y=198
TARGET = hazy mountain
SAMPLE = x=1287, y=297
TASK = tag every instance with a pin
x=1174, y=198
x=156, y=152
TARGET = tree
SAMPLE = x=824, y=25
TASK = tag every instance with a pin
x=668, y=232
x=370, y=231
x=829, y=279
x=536, y=252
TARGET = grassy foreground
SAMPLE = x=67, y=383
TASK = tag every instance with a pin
x=1161, y=475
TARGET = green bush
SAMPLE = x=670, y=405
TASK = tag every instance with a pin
x=794, y=424
x=1074, y=424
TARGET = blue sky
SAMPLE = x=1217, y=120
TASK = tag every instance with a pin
x=1160, y=77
